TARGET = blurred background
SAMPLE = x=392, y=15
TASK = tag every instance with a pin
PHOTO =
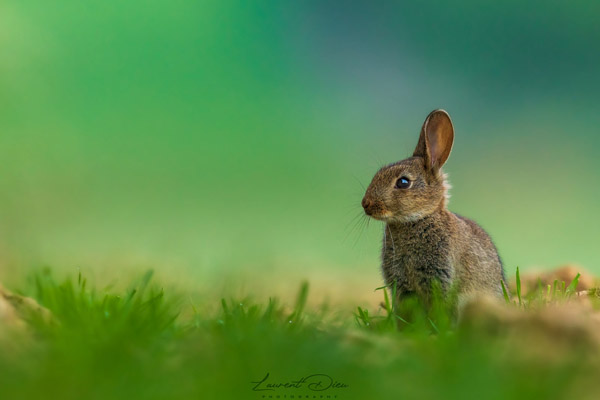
x=231, y=141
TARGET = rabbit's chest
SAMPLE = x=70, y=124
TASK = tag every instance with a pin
x=411, y=258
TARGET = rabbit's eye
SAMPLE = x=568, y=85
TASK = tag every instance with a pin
x=403, y=183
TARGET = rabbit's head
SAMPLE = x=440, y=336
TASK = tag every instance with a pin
x=414, y=188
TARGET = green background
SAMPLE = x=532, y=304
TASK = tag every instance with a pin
x=206, y=138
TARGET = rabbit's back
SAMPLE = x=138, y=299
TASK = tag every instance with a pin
x=478, y=265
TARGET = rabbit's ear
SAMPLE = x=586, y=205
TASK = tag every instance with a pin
x=435, y=142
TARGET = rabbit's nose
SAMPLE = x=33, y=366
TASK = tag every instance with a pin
x=366, y=203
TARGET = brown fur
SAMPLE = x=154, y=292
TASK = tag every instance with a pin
x=423, y=241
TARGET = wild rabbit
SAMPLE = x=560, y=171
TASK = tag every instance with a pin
x=423, y=241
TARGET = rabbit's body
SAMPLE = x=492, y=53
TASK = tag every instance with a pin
x=442, y=246
x=423, y=241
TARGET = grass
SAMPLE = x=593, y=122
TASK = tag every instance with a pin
x=144, y=343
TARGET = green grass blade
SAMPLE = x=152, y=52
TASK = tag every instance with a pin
x=435, y=328
x=300, y=301
x=505, y=292
x=386, y=299
x=573, y=285
x=519, y=286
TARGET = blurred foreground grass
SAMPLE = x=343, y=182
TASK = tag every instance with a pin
x=146, y=343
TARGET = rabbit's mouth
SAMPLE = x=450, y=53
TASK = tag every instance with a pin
x=390, y=218
x=384, y=216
